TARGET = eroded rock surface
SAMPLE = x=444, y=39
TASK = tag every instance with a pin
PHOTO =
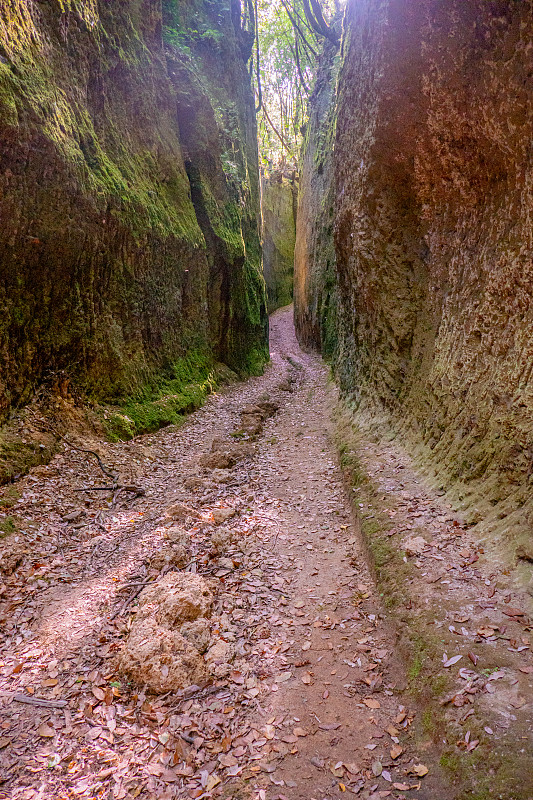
x=432, y=241
x=175, y=553
x=161, y=659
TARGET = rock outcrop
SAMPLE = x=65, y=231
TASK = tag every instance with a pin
x=433, y=240
x=169, y=634
x=129, y=194
x=279, y=200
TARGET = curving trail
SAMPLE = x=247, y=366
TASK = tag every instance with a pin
x=311, y=705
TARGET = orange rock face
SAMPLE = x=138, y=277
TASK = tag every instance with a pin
x=433, y=236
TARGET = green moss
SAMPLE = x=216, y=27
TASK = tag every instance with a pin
x=111, y=164
x=11, y=495
x=279, y=238
x=415, y=668
x=489, y=774
x=7, y=526
x=17, y=456
x=450, y=761
x=165, y=402
x=428, y=722
x=8, y=106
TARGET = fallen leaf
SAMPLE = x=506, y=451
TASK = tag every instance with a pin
x=377, y=768
x=402, y=787
x=420, y=770
x=46, y=731
x=289, y=738
x=270, y=731
x=396, y=751
x=486, y=631
x=307, y=678
x=300, y=732
x=371, y=703
x=4, y=741
x=512, y=612
x=212, y=781
x=451, y=661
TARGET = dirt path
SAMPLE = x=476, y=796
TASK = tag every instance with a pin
x=337, y=695
x=308, y=701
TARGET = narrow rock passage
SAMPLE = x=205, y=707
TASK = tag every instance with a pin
x=305, y=697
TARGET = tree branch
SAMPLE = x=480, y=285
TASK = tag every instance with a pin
x=317, y=21
x=297, y=27
x=257, y=53
x=278, y=134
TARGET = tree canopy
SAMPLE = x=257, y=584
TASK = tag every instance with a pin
x=290, y=35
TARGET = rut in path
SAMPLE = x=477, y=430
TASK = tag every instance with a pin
x=311, y=706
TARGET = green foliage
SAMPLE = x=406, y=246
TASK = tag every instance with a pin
x=288, y=50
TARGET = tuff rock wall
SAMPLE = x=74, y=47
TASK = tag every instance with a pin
x=433, y=241
x=279, y=193
x=129, y=195
x=315, y=286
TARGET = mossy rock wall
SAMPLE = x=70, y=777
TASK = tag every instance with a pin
x=315, y=284
x=279, y=203
x=433, y=243
x=106, y=271
x=207, y=54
